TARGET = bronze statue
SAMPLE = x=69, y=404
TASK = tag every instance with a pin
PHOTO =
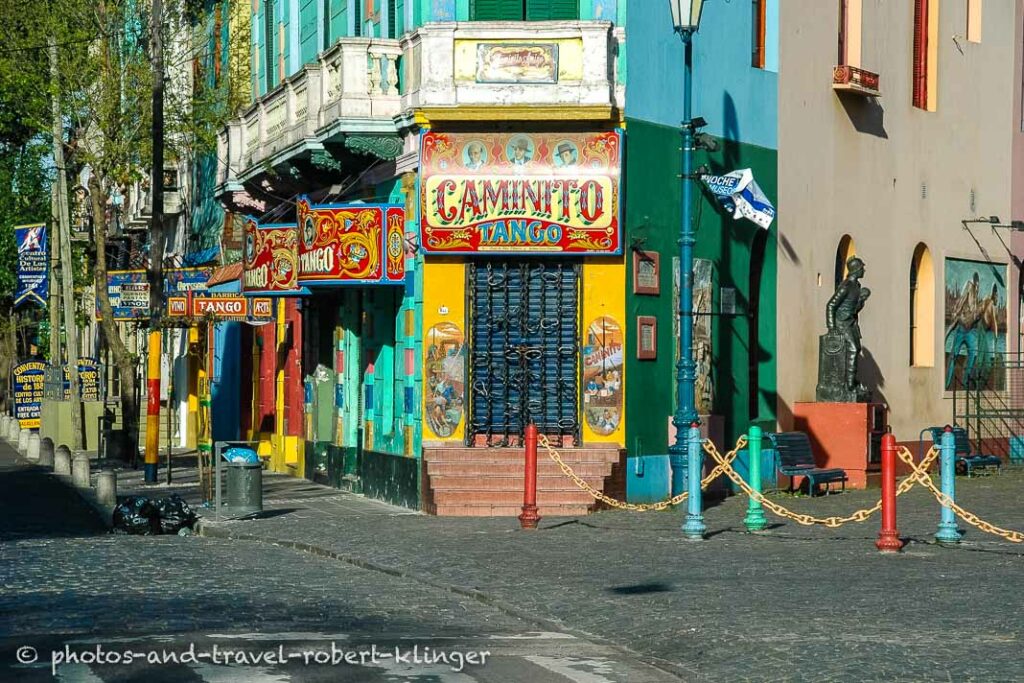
x=839, y=348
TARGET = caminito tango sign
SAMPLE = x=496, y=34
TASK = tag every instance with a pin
x=521, y=192
x=269, y=260
x=351, y=243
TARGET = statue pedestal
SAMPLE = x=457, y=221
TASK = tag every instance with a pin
x=846, y=435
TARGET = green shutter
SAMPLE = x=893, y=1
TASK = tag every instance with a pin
x=269, y=53
x=497, y=10
x=358, y=5
x=552, y=10
x=307, y=31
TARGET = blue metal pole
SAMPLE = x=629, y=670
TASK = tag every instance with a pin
x=686, y=412
x=694, y=527
x=755, y=519
x=948, y=531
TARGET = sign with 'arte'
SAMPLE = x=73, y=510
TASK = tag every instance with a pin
x=521, y=193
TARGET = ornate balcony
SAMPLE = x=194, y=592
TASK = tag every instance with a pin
x=352, y=88
x=523, y=70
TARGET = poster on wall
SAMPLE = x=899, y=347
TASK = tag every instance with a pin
x=351, y=243
x=33, y=265
x=269, y=258
x=556, y=193
x=88, y=380
x=128, y=290
x=28, y=379
x=445, y=370
x=975, y=324
x=602, y=375
x=702, y=290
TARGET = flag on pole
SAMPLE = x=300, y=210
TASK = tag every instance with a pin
x=740, y=195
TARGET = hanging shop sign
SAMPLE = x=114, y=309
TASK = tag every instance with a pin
x=28, y=378
x=521, y=193
x=33, y=265
x=343, y=244
x=221, y=307
x=128, y=290
x=269, y=261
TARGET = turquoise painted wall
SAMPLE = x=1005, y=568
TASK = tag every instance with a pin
x=739, y=101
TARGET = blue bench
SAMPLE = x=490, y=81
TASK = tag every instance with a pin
x=796, y=459
x=966, y=461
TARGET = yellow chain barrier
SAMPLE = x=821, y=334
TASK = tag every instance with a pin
x=638, y=507
x=920, y=474
x=809, y=520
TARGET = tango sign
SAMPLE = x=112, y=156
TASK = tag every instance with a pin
x=221, y=307
x=521, y=193
x=351, y=243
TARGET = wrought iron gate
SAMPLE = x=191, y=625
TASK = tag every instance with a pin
x=524, y=342
x=989, y=403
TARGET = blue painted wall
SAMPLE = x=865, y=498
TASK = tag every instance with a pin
x=226, y=383
x=739, y=101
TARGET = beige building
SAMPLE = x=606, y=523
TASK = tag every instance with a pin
x=891, y=178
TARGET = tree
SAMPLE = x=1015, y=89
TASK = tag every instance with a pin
x=103, y=83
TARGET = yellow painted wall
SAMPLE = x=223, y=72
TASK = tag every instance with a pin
x=604, y=294
x=444, y=301
x=570, y=57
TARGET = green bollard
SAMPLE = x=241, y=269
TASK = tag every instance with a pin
x=755, y=520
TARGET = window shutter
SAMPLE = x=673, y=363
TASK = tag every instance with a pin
x=552, y=10
x=920, y=70
x=497, y=10
x=358, y=4
x=269, y=53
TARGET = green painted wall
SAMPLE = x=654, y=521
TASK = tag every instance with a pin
x=744, y=379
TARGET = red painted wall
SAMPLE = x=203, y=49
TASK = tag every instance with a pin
x=294, y=421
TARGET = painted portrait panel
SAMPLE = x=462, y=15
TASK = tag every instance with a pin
x=602, y=375
x=975, y=324
x=445, y=372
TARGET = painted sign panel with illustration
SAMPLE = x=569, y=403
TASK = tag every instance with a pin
x=521, y=193
x=28, y=379
x=602, y=375
x=975, y=324
x=445, y=370
x=128, y=290
x=269, y=258
x=351, y=243
x=517, y=63
x=33, y=265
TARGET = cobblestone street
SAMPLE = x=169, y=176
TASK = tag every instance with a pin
x=65, y=582
x=795, y=603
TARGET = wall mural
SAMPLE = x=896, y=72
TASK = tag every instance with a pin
x=445, y=371
x=702, y=290
x=975, y=323
x=602, y=375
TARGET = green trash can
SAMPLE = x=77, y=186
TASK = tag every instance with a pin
x=244, y=494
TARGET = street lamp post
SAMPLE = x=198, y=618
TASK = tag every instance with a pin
x=686, y=21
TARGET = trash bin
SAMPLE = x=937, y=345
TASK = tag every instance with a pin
x=244, y=481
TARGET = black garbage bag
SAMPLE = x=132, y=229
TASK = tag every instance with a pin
x=136, y=515
x=175, y=514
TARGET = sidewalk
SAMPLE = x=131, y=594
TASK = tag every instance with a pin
x=799, y=603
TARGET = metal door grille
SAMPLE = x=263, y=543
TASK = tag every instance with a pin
x=524, y=341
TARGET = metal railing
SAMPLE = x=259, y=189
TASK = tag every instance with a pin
x=988, y=401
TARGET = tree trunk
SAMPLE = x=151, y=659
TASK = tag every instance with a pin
x=122, y=356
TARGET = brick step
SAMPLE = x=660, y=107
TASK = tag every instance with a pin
x=558, y=482
x=506, y=510
x=544, y=468
x=510, y=498
x=496, y=455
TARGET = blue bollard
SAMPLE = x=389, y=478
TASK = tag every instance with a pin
x=948, y=531
x=755, y=519
x=694, y=527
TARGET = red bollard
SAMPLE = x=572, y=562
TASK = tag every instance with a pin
x=529, y=518
x=888, y=538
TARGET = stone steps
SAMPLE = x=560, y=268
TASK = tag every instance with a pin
x=463, y=481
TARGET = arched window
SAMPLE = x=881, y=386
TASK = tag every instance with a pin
x=847, y=250
x=922, y=309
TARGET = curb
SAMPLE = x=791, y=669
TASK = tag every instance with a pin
x=214, y=530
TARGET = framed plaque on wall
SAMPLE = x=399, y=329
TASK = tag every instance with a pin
x=646, y=272
x=646, y=337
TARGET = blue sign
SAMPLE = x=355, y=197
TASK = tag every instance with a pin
x=27, y=379
x=128, y=290
x=740, y=195
x=33, y=265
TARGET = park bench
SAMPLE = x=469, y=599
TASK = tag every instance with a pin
x=796, y=459
x=965, y=460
